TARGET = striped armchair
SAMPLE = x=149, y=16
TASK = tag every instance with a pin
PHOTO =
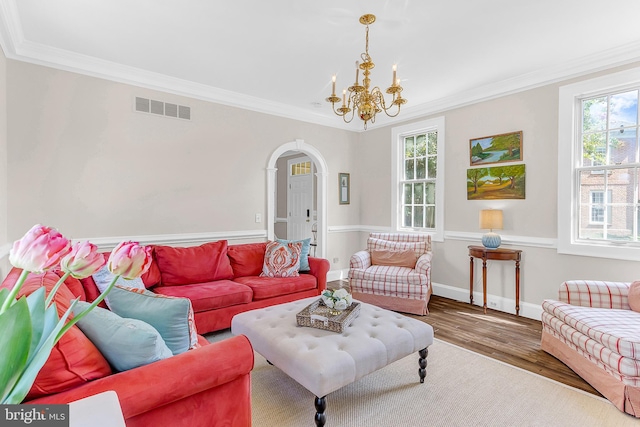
x=593, y=331
x=402, y=288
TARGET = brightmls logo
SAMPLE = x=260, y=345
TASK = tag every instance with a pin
x=34, y=415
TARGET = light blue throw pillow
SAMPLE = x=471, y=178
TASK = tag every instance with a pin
x=304, y=254
x=104, y=277
x=172, y=317
x=125, y=343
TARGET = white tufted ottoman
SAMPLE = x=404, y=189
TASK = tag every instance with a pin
x=324, y=361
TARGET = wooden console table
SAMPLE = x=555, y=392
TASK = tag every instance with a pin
x=499, y=254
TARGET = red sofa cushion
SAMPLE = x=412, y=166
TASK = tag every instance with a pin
x=74, y=360
x=268, y=287
x=210, y=296
x=247, y=259
x=152, y=277
x=74, y=285
x=197, y=264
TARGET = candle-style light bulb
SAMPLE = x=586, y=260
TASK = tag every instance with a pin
x=393, y=80
x=333, y=85
x=357, y=71
x=344, y=97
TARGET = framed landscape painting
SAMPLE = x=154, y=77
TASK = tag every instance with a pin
x=498, y=182
x=506, y=147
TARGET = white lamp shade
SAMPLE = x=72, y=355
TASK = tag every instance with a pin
x=491, y=219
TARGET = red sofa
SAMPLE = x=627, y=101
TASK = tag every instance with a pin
x=207, y=386
x=223, y=280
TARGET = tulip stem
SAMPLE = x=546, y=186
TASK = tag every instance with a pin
x=93, y=305
x=14, y=291
x=60, y=281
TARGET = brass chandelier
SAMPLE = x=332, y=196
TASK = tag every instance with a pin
x=368, y=102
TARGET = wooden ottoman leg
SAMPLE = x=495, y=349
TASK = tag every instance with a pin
x=422, y=362
x=320, y=404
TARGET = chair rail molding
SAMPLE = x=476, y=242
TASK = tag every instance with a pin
x=186, y=239
x=537, y=242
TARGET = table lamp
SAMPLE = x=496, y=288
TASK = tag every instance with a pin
x=491, y=219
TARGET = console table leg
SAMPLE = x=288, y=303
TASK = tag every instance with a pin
x=321, y=405
x=422, y=362
x=484, y=284
x=471, y=281
x=517, y=287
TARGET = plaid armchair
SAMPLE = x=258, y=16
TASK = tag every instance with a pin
x=405, y=288
x=593, y=330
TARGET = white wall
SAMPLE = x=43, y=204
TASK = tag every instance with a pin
x=83, y=161
x=4, y=240
x=530, y=223
x=80, y=159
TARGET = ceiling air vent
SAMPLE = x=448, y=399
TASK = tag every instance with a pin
x=145, y=105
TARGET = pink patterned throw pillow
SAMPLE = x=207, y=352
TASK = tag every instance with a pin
x=634, y=296
x=281, y=260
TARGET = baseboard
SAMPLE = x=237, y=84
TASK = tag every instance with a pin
x=333, y=275
x=494, y=302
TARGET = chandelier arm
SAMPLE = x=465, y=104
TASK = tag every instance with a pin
x=392, y=115
x=344, y=117
x=381, y=102
x=351, y=105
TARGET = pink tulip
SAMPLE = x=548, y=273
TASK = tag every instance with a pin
x=39, y=250
x=83, y=260
x=129, y=260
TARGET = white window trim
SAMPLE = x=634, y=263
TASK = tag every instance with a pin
x=604, y=202
x=569, y=110
x=397, y=135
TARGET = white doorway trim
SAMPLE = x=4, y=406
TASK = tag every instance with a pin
x=321, y=174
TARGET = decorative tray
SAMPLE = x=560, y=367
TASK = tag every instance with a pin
x=316, y=315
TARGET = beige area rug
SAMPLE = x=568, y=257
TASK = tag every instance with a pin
x=462, y=388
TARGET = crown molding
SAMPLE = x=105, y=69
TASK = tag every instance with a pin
x=11, y=34
x=620, y=56
x=17, y=48
x=61, y=59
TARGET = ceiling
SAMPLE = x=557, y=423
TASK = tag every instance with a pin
x=278, y=56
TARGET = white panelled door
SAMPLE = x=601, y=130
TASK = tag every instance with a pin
x=299, y=198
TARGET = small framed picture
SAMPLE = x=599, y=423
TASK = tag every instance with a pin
x=344, y=188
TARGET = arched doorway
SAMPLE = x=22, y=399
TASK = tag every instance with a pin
x=321, y=174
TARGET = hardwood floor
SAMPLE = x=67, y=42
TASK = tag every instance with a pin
x=502, y=336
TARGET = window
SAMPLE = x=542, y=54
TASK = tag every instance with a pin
x=599, y=166
x=598, y=207
x=302, y=168
x=418, y=162
x=608, y=143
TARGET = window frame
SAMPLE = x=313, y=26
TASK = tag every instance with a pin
x=569, y=125
x=601, y=205
x=397, y=175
